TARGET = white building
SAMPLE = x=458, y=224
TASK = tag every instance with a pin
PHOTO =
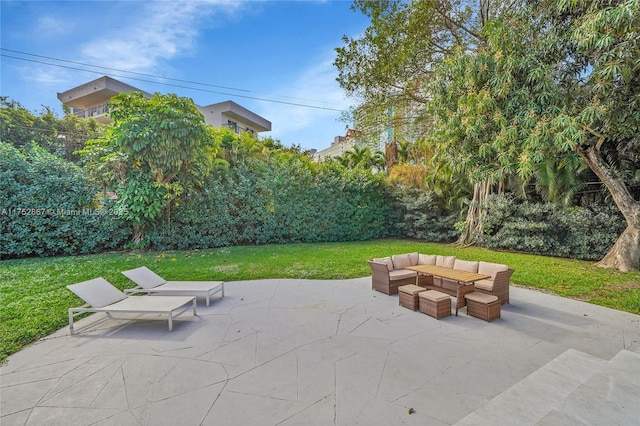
x=236, y=117
x=92, y=100
x=340, y=145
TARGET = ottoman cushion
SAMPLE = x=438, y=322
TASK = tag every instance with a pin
x=476, y=296
x=434, y=295
x=410, y=289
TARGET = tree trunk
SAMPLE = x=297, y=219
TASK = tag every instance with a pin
x=138, y=234
x=476, y=213
x=625, y=253
x=391, y=154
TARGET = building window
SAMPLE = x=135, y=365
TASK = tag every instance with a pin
x=232, y=125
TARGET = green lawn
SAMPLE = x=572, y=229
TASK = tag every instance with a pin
x=34, y=299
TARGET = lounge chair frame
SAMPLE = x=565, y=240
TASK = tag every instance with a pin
x=148, y=282
x=171, y=306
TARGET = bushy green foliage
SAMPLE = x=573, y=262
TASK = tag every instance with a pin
x=578, y=232
x=280, y=198
x=47, y=207
x=156, y=149
x=62, y=137
x=422, y=218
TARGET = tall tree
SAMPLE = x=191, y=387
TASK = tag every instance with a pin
x=157, y=149
x=552, y=90
x=391, y=66
x=602, y=39
x=363, y=157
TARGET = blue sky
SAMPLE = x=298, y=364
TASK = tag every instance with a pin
x=275, y=50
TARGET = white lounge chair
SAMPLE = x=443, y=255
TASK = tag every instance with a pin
x=102, y=296
x=149, y=282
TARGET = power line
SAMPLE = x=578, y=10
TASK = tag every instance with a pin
x=119, y=70
x=166, y=84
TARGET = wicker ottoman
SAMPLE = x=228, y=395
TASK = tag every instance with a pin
x=483, y=306
x=435, y=304
x=408, y=296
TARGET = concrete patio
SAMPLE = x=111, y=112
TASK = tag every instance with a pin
x=302, y=352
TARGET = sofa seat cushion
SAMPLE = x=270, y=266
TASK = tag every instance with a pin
x=486, y=285
x=401, y=261
x=401, y=274
x=491, y=268
x=465, y=265
x=386, y=260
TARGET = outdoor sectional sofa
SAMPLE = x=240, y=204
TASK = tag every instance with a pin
x=388, y=273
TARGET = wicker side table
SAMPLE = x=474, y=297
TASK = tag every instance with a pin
x=408, y=296
x=435, y=303
x=483, y=306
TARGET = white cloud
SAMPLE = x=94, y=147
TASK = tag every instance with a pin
x=52, y=26
x=160, y=31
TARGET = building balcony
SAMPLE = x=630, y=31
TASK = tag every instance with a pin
x=98, y=112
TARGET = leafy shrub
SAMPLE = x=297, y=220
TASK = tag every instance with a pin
x=578, y=232
x=47, y=208
x=279, y=199
x=422, y=218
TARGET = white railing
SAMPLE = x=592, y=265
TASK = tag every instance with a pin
x=92, y=112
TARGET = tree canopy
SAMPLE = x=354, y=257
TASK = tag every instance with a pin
x=62, y=137
x=515, y=91
x=157, y=149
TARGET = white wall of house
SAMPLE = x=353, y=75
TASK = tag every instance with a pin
x=238, y=118
x=91, y=100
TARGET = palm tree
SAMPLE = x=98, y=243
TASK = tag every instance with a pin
x=363, y=157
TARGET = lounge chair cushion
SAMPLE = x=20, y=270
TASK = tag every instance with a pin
x=97, y=292
x=401, y=261
x=486, y=285
x=427, y=259
x=445, y=261
x=385, y=260
x=491, y=268
x=144, y=277
x=465, y=265
x=400, y=274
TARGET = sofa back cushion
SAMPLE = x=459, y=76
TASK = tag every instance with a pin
x=445, y=261
x=427, y=259
x=386, y=260
x=491, y=268
x=465, y=265
x=401, y=261
x=414, y=258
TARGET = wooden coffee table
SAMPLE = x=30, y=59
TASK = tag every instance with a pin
x=465, y=280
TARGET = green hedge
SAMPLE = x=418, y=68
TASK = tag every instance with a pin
x=422, y=218
x=585, y=233
x=286, y=200
x=47, y=208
